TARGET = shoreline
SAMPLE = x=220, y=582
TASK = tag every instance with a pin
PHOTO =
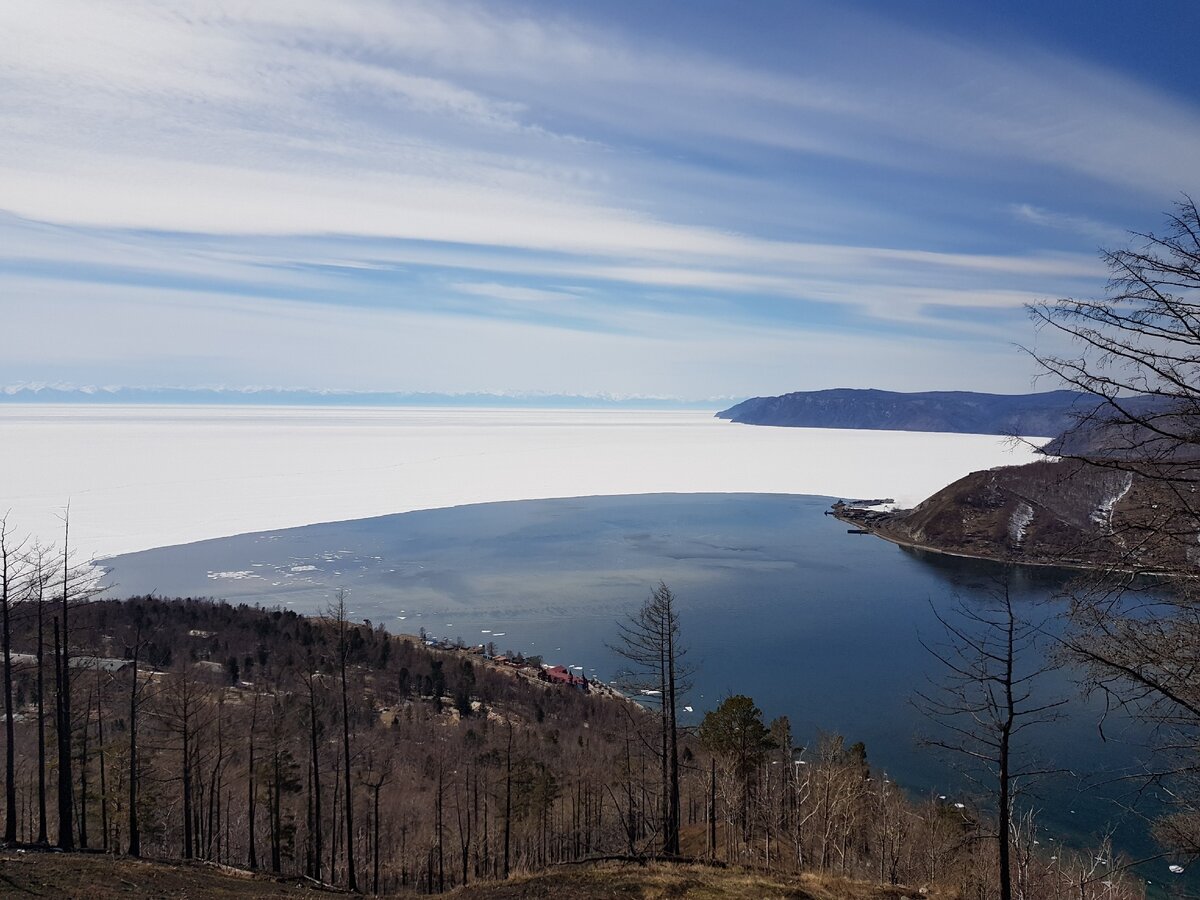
x=1074, y=566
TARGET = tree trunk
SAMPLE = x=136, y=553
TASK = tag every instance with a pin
x=7, y=568
x=712, y=809
x=214, y=790
x=333, y=815
x=375, y=842
x=66, y=834
x=1005, y=801
x=252, y=850
x=315, y=760
x=507, y=800
x=43, y=837
x=83, y=773
x=103, y=775
x=276, y=788
x=673, y=812
x=135, y=834
x=187, y=778
x=343, y=653
x=441, y=858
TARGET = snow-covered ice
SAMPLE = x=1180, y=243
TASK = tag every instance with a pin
x=142, y=477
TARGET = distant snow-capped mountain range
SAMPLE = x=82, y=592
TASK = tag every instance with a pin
x=277, y=396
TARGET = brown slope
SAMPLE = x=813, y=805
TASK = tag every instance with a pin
x=98, y=876
x=1054, y=512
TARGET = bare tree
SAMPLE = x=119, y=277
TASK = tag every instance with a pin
x=990, y=692
x=1134, y=355
x=184, y=711
x=251, y=787
x=379, y=773
x=650, y=642
x=314, y=730
x=1138, y=358
x=135, y=831
x=66, y=833
x=11, y=563
x=339, y=614
x=41, y=575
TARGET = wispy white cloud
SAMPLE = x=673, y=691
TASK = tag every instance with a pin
x=1082, y=225
x=514, y=293
x=187, y=335
x=416, y=156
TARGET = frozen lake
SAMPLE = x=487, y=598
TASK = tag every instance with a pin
x=139, y=477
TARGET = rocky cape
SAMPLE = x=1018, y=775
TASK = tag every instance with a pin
x=960, y=412
x=1065, y=512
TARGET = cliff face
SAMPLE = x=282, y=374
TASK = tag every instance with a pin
x=960, y=412
x=1063, y=512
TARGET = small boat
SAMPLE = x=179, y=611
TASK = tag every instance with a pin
x=857, y=531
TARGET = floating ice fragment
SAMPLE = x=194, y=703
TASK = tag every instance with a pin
x=1175, y=869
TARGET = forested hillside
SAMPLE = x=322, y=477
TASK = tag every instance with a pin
x=332, y=750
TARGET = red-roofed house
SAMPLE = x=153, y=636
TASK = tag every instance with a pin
x=562, y=675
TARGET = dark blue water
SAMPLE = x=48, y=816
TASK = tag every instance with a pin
x=778, y=601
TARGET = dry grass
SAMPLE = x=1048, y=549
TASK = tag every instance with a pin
x=98, y=877
x=626, y=881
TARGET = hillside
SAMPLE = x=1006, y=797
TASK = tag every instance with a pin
x=1055, y=512
x=100, y=877
x=328, y=752
x=961, y=412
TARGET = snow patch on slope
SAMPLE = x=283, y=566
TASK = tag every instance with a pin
x=1019, y=522
x=1103, y=513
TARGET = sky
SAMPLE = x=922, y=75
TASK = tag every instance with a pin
x=676, y=199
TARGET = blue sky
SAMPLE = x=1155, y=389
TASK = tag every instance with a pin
x=690, y=199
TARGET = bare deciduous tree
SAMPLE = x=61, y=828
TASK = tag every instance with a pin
x=1138, y=357
x=339, y=614
x=990, y=692
x=11, y=561
x=650, y=642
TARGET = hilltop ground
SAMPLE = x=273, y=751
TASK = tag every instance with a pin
x=98, y=877
x=625, y=881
